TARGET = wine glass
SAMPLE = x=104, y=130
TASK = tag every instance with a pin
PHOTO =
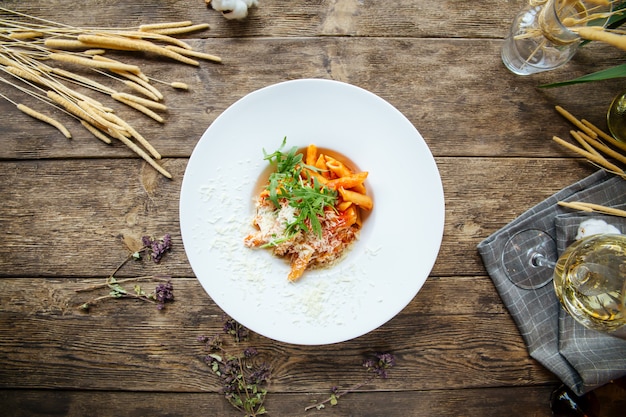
x=589, y=277
x=590, y=282
x=529, y=258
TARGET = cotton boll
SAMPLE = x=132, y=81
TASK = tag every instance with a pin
x=222, y=5
x=594, y=227
x=240, y=11
x=233, y=9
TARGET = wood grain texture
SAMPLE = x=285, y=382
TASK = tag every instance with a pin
x=408, y=18
x=483, y=112
x=519, y=402
x=55, y=226
x=471, y=402
x=66, y=207
x=48, y=342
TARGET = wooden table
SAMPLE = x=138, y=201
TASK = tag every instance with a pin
x=68, y=204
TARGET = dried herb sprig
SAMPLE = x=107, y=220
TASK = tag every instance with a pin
x=244, y=380
x=163, y=292
x=377, y=367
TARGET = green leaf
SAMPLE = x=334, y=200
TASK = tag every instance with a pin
x=115, y=294
x=617, y=19
x=216, y=357
x=305, y=194
x=139, y=290
x=610, y=73
x=333, y=399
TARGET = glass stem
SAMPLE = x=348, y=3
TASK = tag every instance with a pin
x=539, y=259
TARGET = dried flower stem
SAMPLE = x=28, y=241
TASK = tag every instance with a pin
x=605, y=149
x=123, y=281
x=576, y=23
x=163, y=292
x=138, y=106
x=243, y=382
x=140, y=81
x=377, y=367
x=338, y=394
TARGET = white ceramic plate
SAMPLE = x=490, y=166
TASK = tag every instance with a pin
x=399, y=241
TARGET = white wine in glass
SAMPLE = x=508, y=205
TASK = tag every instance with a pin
x=590, y=282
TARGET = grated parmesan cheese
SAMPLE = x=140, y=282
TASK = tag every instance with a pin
x=319, y=250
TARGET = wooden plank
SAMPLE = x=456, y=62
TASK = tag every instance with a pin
x=519, y=401
x=486, y=402
x=477, y=109
x=297, y=18
x=47, y=342
x=470, y=402
x=66, y=217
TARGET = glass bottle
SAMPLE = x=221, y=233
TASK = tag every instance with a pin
x=540, y=38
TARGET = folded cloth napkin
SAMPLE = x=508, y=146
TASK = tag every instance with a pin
x=583, y=359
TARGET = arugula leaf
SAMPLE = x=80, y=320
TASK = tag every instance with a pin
x=305, y=194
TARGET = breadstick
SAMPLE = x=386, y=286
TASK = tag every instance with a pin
x=575, y=121
x=145, y=102
x=92, y=62
x=142, y=154
x=44, y=118
x=96, y=132
x=137, y=45
x=593, y=158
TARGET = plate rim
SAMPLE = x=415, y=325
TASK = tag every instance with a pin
x=439, y=186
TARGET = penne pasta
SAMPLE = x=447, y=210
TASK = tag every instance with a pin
x=351, y=216
x=320, y=163
x=348, y=181
x=359, y=199
x=343, y=206
x=319, y=177
x=298, y=265
x=336, y=167
x=311, y=155
x=310, y=210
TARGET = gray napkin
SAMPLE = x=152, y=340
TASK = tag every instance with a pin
x=583, y=359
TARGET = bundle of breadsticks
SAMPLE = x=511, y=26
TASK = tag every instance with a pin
x=41, y=59
x=599, y=148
